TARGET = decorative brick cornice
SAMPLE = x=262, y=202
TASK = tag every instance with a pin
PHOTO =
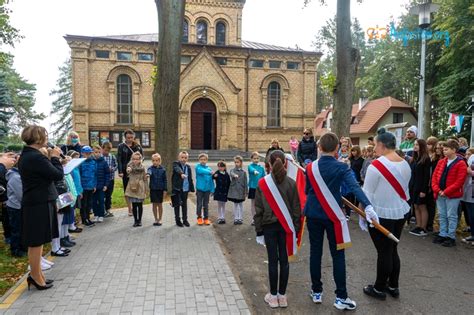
x=237, y=4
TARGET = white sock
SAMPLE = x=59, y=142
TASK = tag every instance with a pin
x=72, y=226
x=221, y=209
x=241, y=210
x=55, y=245
x=236, y=211
x=60, y=224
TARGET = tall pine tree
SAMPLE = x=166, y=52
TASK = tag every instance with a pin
x=62, y=105
x=5, y=107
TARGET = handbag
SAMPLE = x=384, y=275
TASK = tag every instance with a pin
x=64, y=200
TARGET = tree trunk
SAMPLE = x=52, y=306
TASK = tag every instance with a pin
x=347, y=62
x=166, y=90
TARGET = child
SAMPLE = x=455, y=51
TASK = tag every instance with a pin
x=70, y=218
x=323, y=213
x=368, y=160
x=256, y=171
x=294, y=146
x=182, y=183
x=88, y=171
x=69, y=211
x=447, y=183
x=204, y=187
x=270, y=230
x=238, y=189
x=15, y=195
x=468, y=197
x=222, y=180
x=102, y=182
x=137, y=187
x=158, y=185
x=112, y=163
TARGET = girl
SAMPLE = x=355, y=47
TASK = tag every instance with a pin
x=158, y=187
x=222, y=179
x=419, y=185
x=468, y=197
x=356, y=160
x=270, y=230
x=256, y=172
x=238, y=189
x=137, y=188
x=294, y=146
x=70, y=218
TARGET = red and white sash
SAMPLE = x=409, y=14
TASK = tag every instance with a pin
x=276, y=202
x=329, y=205
x=392, y=175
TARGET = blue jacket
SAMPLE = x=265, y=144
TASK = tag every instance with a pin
x=76, y=176
x=253, y=179
x=158, y=179
x=88, y=170
x=334, y=174
x=204, y=180
x=103, y=173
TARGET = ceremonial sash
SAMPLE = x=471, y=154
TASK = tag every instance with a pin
x=272, y=195
x=392, y=175
x=329, y=205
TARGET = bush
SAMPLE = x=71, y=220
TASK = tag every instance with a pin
x=14, y=147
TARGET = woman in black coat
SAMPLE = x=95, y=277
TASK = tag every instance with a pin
x=307, y=149
x=39, y=199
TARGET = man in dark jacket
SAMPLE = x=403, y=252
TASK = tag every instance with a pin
x=182, y=183
x=307, y=149
x=102, y=183
x=124, y=154
x=7, y=160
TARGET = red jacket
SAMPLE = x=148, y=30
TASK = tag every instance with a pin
x=454, y=181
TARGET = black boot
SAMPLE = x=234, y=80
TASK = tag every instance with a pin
x=371, y=291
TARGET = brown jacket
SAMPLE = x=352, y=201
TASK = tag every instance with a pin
x=264, y=214
x=138, y=182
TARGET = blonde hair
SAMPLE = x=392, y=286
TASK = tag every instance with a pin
x=255, y=154
x=96, y=147
x=137, y=154
x=238, y=158
x=156, y=155
x=34, y=134
x=275, y=140
x=201, y=155
x=183, y=152
x=70, y=135
x=370, y=148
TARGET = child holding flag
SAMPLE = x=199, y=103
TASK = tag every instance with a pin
x=277, y=222
x=323, y=212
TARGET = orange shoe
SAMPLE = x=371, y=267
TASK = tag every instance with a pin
x=200, y=221
x=207, y=222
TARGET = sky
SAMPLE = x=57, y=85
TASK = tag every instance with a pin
x=44, y=23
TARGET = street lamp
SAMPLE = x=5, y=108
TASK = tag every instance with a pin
x=423, y=11
x=471, y=108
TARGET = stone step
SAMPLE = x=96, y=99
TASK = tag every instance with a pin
x=217, y=155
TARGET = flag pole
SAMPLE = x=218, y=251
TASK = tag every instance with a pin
x=379, y=227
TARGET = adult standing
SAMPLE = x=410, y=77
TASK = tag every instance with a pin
x=275, y=146
x=307, y=149
x=386, y=186
x=125, y=151
x=38, y=174
x=407, y=145
x=73, y=142
x=7, y=160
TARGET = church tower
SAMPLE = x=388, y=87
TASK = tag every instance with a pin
x=213, y=22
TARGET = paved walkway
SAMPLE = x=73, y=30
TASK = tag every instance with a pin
x=115, y=268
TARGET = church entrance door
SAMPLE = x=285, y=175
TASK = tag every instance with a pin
x=203, y=125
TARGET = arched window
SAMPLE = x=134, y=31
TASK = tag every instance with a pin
x=124, y=99
x=201, y=30
x=220, y=34
x=273, y=104
x=185, y=38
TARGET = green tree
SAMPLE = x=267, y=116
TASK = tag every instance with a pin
x=8, y=34
x=62, y=105
x=5, y=107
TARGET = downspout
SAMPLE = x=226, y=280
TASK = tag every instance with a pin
x=247, y=101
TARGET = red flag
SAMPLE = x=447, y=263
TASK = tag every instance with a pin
x=298, y=176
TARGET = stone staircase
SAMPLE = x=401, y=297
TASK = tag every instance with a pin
x=217, y=155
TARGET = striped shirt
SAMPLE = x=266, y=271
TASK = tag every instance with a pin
x=112, y=162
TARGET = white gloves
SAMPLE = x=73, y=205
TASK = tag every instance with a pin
x=256, y=172
x=371, y=215
x=261, y=240
x=363, y=224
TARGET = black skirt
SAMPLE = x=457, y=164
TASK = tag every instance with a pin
x=252, y=193
x=40, y=224
x=156, y=196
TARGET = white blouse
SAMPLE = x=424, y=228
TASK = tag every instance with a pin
x=386, y=202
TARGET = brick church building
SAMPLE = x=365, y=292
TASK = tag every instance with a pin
x=234, y=94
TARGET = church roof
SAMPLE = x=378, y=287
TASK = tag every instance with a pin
x=153, y=38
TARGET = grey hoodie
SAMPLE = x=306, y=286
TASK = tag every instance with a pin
x=14, y=189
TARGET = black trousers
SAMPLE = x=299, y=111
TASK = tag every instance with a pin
x=108, y=195
x=179, y=199
x=275, y=241
x=431, y=206
x=388, y=261
x=137, y=209
x=5, y=221
x=86, y=204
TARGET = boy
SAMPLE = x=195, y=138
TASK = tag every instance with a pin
x=182, y=184
x=88, y=170
x=112, y=163
x=323, y=213
x=15, y=195
x=158, y=185
x=447, y=183
x=102, y=182
x=205, y=187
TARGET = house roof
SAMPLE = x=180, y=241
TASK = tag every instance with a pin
x=367, y=117
x=153, y=38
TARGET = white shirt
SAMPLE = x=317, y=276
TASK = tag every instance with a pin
x=468, y=183
x=386, y=202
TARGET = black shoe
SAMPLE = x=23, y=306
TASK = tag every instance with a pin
x=179, y=223
x=89, y=223
x=371, y=291
x=77, y=230
x=135, y=224
x=70, y=240
x=393, y=292
x=186, y=223
x=139, y=223
x=439, y=240
x=449, y=242
x=429, y=229
x=65, y=243
x=236, y=222
x=49, y=281
x=30, y=281
x=59, y=253
x=157, y=224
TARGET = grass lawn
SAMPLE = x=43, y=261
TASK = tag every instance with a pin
x=118, y=200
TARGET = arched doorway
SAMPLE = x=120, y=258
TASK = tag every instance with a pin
x=203, y=125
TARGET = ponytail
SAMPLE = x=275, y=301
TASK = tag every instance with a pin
x=277, y=163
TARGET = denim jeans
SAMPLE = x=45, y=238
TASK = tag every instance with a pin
x=448, y=216
x=470, y=211
x=316, y=228
x=98, y=203
x=202, y=198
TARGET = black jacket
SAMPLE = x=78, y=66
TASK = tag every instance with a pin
x=420, y=177
x=177, y=181
x=307, y=150
x=124, y=155
x=356, y=166
x=3, y=182
x=222, y=186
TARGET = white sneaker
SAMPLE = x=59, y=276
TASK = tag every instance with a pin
x=100, y=219
x=96, y=219
x=272, y=300
x=316, y=297
x=282, y=300
x=346, y=304
x=45, y=261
